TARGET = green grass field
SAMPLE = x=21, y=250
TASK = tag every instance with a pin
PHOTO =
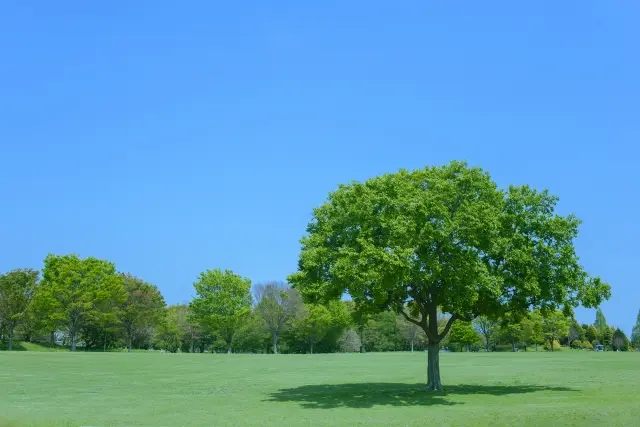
x=153, y=389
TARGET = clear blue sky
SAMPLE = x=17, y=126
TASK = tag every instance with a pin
x=174, y=137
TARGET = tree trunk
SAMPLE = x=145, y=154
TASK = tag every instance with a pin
x=433, y=352
x=53, y=338
x=311, y=348
x=10, y=337
x=129, y=344
x=552, y=344
x=104, y=344
x=411, y=346
x=274, y=339
x=433, y=367
x=73, y=339
x=513, y=346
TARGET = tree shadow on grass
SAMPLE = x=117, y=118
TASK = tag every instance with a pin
x=368, y=395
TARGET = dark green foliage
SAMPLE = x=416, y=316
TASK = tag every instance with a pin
x=620, y=342
x=443, y=238
x=635, y=333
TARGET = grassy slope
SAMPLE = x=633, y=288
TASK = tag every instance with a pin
x=116, y=389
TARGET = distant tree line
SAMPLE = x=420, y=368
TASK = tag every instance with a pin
x=86, y=303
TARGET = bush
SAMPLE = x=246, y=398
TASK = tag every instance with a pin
x=350, y=342
x=587, y=345
x=556, y=346
x=576, y=344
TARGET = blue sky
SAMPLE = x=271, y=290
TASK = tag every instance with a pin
x=173, y=137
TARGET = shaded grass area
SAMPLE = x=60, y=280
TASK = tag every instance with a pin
x=28, y=346
x=369, y=395
x=384, y=389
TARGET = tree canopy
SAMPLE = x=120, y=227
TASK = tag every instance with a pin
x=75, y=290
x=143, y=308
x=276, y=304
x=222, y=302
x=17, y=289
x=443, y=238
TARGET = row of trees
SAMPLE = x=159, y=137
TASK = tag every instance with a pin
x=413, y=243
x=89, y=302
x=550, y=330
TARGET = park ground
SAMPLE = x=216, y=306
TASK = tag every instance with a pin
x=378, y=389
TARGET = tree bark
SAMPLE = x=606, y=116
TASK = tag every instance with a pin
x=104, y=344
x=53, y=338
x=433, y=350
x=129, y=344
x=411, y=346
x=274, y=339
x=11, y=337
x=433, y=367
x=552, y=345
x=311, y=348
x=73, y=339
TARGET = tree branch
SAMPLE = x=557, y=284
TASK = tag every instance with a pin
x=467, y=318
x=444, y=333
x=421, y=323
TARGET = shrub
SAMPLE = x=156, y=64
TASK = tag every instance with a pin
x=556, y=346
x=587, y=345
x=576, y=344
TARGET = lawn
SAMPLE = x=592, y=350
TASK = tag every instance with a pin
x=384, y=389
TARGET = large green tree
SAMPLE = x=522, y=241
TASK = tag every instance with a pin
x=222, y=303
x=17, y=289
x=74, y=291
x=144, y=307
x=443, y=237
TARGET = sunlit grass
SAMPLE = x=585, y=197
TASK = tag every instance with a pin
x=153, y=389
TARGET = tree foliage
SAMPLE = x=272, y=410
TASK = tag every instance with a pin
x=464, y=334
x=75, y=291
x=143, y=308
x=635, y=333
x=601, y=325
x=487, y=327
x=277, y=304
x=555, y=326
x=222, y=303
x=443, y=237
x=17, y=289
